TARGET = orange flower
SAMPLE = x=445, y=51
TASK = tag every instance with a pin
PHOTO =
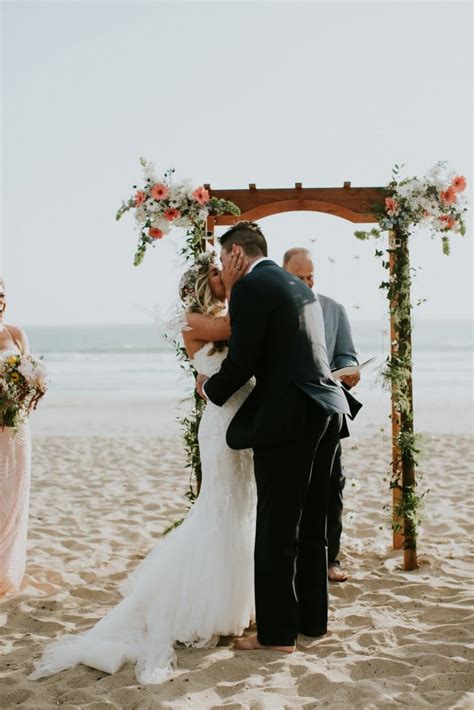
x=140, y=198
x=155, y=233
x=159, y=191
x=448, y=220
x=448, y=196
x=171, y=213
x=201, y=195
x=459, y=183
x=390, y=205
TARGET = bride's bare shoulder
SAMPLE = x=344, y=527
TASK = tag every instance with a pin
x=19, y=336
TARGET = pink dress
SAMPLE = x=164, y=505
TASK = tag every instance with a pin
x=15, y=468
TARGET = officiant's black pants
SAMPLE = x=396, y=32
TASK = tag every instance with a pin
x=335, y=507
x=293, y=479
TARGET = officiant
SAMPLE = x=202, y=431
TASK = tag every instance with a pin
x=341, y=353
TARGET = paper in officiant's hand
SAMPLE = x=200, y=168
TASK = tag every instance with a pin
x=351, y=369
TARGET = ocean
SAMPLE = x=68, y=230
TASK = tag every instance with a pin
x=134, y=360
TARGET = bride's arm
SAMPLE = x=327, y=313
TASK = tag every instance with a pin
x=207, y=328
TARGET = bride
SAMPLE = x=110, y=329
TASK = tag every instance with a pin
x=197, y=583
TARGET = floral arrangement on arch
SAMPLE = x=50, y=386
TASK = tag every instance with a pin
x=436, y=200
x=162, y=204
x=22, y=385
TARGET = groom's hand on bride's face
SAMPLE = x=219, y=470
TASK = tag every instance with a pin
x=201, y=379
x=234, y=266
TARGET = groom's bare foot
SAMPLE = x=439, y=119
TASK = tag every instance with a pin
x=336, y=574
x=251, y=643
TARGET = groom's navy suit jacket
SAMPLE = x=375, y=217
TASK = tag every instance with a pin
x=278, y=337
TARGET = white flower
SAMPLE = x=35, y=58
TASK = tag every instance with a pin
x=176, y=194
x=140, y=214
x=152, y=206
x=40, y=370
x=354, y=484
x=27, y=369
x=182, y=222
x=161, y=223
x=149, y=170
x=33, y=370
x=439, y=176
x=183, y=191
x=405, y=191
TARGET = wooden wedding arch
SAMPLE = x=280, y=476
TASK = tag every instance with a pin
x=356, y=204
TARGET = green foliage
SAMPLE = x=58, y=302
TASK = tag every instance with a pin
x=141, y=250
x=190, y=427
x=373, y=233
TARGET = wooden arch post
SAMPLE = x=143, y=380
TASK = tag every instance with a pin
x=356, y=204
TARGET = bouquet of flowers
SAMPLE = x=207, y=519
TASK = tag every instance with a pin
x=22, y=384
x=436, y=200
x=162, y=204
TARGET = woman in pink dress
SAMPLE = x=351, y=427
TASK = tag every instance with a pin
x=15, y=466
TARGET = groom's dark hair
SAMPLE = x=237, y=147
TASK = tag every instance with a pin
x=247, y=235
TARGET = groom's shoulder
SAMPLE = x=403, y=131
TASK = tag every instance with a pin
x=276, y=283
x=266, y=271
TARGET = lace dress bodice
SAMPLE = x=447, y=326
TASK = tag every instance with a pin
x=206, y=364
x=215, y=420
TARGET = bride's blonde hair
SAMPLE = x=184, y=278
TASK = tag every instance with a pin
x=196, y=295
x=195, y=291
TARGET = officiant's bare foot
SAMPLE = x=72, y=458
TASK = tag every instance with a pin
x=251, y=643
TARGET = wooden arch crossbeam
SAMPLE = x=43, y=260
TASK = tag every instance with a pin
x=355, y=204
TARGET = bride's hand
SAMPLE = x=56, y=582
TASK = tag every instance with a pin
x=200, y=380
x=234, y=269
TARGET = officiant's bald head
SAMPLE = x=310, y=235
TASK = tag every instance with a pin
x=298, y=261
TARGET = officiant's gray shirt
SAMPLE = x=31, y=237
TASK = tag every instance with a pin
x=339, y=342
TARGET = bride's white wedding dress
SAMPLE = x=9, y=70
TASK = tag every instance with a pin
x=197, y=583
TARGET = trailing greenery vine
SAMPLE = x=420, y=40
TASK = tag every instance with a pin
x=435, y=200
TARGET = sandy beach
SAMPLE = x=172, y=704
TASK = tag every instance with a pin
x=100, y=502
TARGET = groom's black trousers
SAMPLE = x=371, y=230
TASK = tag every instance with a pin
x=293, y=479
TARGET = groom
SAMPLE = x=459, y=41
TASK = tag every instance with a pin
x=291, y=420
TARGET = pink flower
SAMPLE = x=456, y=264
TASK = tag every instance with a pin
x=459, y=183
x=448, y=196
x=171, y=213
x=201, y=195
x=390, y=206
x=155, y=233
x=140, y=198
x=159, y=191
x=448, y=220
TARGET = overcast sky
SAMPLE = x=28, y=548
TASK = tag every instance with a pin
x=226, y=93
